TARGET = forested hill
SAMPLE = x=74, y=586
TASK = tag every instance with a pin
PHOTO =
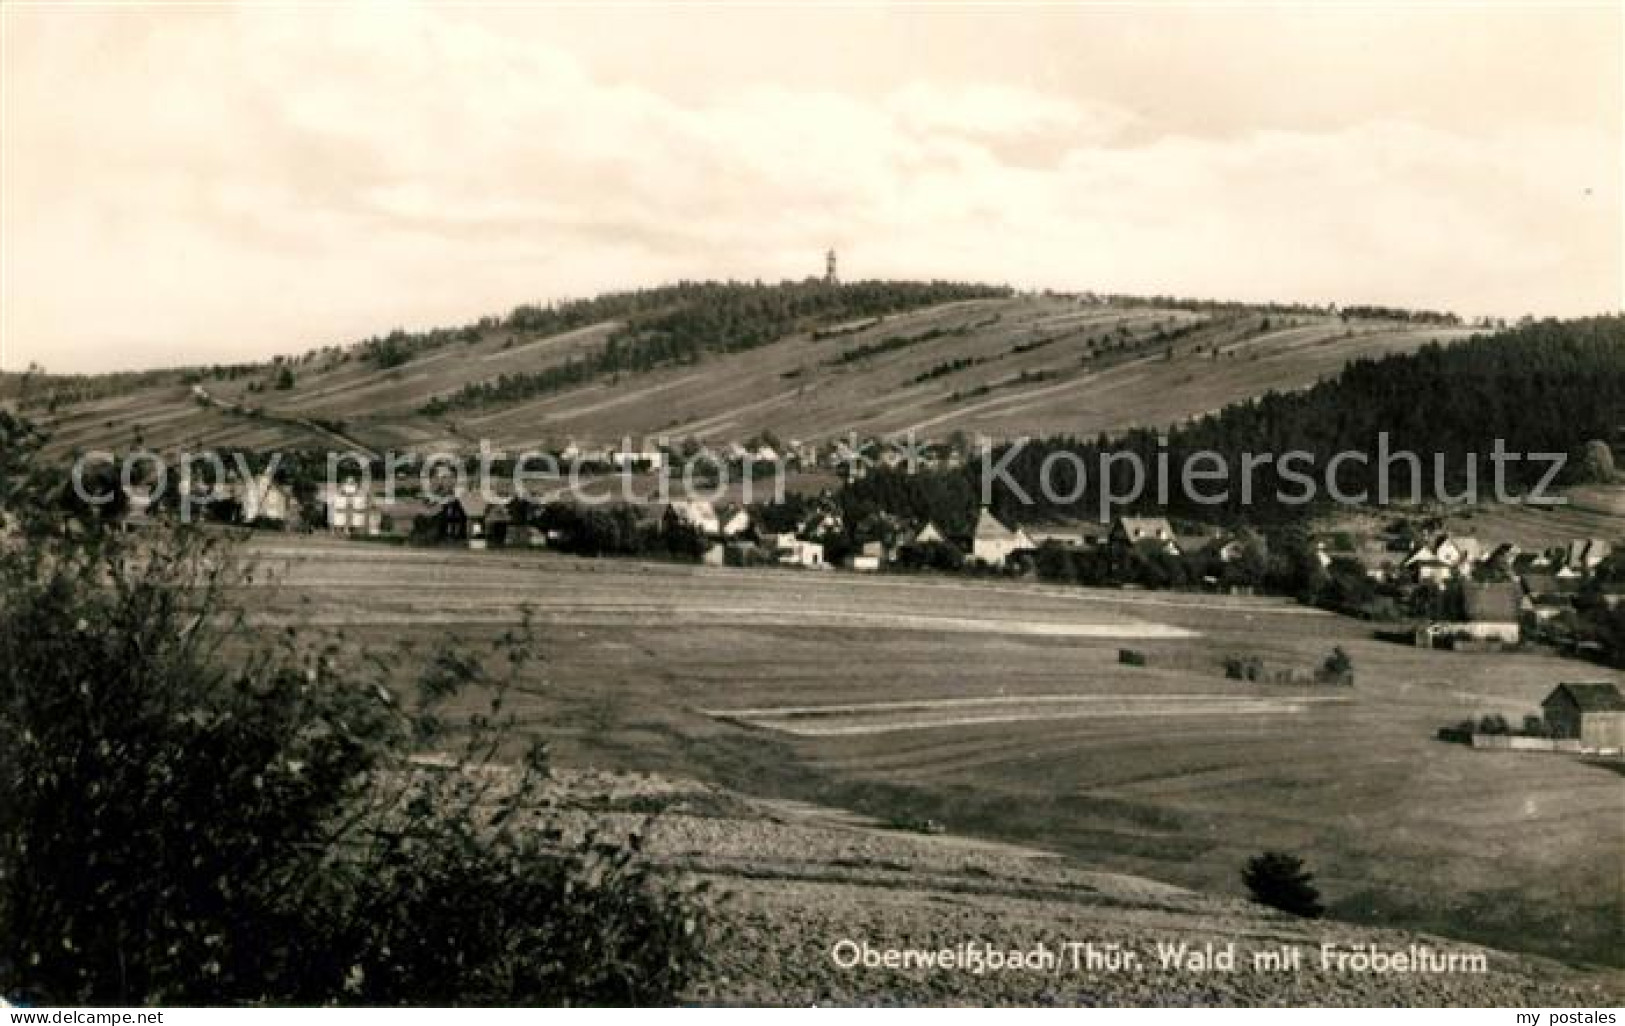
x=680, y=323
x=1544, y=387
x=720, y=362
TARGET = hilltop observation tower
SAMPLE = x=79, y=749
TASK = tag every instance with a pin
x=830, y=277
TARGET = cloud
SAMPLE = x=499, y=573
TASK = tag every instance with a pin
x=237, y=184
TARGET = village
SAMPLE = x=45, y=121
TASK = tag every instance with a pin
x=1415, y=581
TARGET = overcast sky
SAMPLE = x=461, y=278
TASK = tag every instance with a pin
x=185, y=185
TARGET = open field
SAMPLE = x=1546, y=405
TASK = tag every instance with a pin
x=1024, y=367
x=1173, y=774
x=801, y=877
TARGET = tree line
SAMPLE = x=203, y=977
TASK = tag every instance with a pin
x=1544, y=387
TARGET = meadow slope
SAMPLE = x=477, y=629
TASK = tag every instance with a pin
x=1169, y=772
x=1001, y=367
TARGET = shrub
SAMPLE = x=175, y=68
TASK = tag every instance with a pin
x=191, y=818
x=1280, y=881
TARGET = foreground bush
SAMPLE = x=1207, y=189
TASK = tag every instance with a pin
x=1280, y=881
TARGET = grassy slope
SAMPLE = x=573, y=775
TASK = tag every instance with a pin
x=796, y=387
x=1521, y=851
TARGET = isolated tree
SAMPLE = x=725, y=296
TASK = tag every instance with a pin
x=1598, y=463
x=1280, y=881
x=1339, y=662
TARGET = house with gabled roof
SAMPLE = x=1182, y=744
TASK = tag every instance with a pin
x=1504, y=556
x=1492, y=611
x=1592, y=712
x=733, y=521
x=138, y=502
x=474, y=518
x=1133, y=530
x=1585, y=554
x=260, y=499
x=696, y=514
x=405, y=518
x=1426, y=566
x=1492, y=615
x=1459, y=551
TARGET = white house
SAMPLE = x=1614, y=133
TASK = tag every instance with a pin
x=1492, y=617
x=638, y=459
x=993, y=543
x=702, y=516
x=793, y=551
x=261, y=498
x=733, y=521
x=929, y=534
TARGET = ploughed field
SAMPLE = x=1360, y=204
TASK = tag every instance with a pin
x=998, y=708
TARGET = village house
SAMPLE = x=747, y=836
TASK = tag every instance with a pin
x=993, y=543
x=1549, y=589
x=350, y=509
x=868, y=558
x=1377, y=558
x=1492, y=619
x=404, y=518
x=630, y=460
x=802, y=454
x=1192, y=544
x=1585, y=554
x=821, y=522
x=1064, y=538
x=1426, y=566
x=733, y=521
x=692, y=513
x=1503, y=556
x=1227, y=548
x=1462, y=552
x=137, y=507
x=930, y=534
x=1531, y=563
x=909, y=538
x=261, y=500
x=792, y=551
x=1133, y=531
x=473, y=518
x=1594, y=713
